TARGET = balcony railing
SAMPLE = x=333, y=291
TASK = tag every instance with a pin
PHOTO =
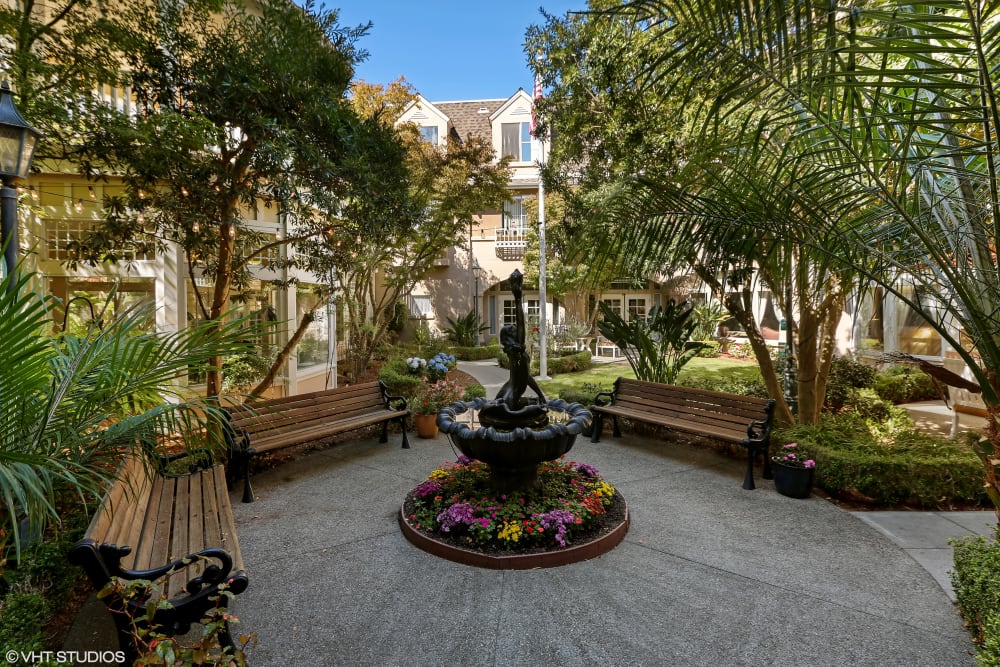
x=510, y=243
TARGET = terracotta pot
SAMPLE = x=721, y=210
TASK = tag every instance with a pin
x=426, y=425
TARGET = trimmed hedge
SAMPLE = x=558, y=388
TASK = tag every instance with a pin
x=976, y=581
x=490, y=351
x=564, y=362
x=397, y=377
x=890, y=462
x=903, y=384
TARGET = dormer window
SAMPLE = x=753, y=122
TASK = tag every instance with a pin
x=516, y=139
x=429, y=133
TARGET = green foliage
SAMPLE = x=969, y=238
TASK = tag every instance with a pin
x=72, y=404
x=571, y=363
x=905, y=384
x=708, y=317
x=709, y=349
x=242, y=371
x=976, y=582
x=846, y=377
x=474, y=391
x=989, y=650
x=157, y=647
x=397, y=377
x=889, y=461
x=491, y=351
x=657, y=347
x=730, y=384
x=465, y=331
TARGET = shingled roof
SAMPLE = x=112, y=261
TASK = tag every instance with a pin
x=470, y=118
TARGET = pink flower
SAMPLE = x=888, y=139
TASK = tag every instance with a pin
x=809, y=463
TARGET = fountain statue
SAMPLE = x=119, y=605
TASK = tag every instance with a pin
x=514, y=433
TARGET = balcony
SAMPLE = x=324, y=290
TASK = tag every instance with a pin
x=510, y=243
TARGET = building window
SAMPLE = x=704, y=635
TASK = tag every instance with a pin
x=429, y=133
x=916, y=336
x=636, y=309
x=420, y=307
x=614, y=304
x=515, y=214
x=314, y=347
x=100, y=299
x=516, y=141
x=531, y=310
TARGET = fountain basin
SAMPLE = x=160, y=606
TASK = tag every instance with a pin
x=513, y=455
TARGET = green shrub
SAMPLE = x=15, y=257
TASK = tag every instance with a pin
x=976, y=581
x=847, y=376
x=474, y=391
x=989, y=650
x=889, y=461
x=709, y=349
x=397, y=377
x=731, y=385
x=491, y=351
x=571, y=363
x=905, y=384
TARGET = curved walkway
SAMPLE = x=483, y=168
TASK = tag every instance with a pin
x=709, y=574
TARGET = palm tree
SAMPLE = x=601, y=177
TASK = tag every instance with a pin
x=889, y=108
x=70, y=406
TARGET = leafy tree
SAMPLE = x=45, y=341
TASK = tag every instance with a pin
x=232, y=111
x=655, y=192
x=890, y=109
x=431, y=194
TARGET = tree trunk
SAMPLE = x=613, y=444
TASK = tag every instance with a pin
x=283, y=355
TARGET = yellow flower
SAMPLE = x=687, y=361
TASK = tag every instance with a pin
x=510, y=531
x=603, y=489
x=438, y=475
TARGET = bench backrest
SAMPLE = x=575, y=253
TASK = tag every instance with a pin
x=696, y=405
x=331, y=404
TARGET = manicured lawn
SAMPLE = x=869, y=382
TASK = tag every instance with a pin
x=604, y=375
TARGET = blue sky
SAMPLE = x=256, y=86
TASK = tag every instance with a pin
x=449, y=49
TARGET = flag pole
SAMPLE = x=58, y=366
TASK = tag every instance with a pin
x=543, y=334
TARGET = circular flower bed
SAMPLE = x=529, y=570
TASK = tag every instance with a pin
x=570, y=504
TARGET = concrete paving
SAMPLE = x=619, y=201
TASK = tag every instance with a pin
x=709, y=574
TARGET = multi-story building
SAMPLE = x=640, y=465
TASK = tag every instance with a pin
x=470, y=276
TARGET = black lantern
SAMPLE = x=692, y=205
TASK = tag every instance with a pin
x=17, y=147
x=17, y=138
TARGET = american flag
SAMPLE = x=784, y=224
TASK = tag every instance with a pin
x=537, y=95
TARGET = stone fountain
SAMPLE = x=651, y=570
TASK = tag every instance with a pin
x=513, y=433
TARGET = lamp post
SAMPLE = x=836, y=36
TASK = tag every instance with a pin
x=17, y=147
x=476, y=270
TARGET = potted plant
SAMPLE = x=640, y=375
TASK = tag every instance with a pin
x=794, y=470
x=428, y=401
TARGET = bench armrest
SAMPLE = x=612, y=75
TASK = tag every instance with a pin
x=608, y=398
x=213, y=574
x=390, y=399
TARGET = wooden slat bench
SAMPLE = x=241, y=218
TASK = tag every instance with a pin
x=177, y=531
x=265, y=425
x=728, y=417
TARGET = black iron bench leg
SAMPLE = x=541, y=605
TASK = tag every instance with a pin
x=247, y=489
x=616, y=432
x=385, y=432
x=767, y=463
x=748, y=480
x=597, y=426
x=402, y=427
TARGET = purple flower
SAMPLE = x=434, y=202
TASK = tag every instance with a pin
x=556, y=519
x=459, y=513
x=464, y=460
x=427, y=489
x=586, y=469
